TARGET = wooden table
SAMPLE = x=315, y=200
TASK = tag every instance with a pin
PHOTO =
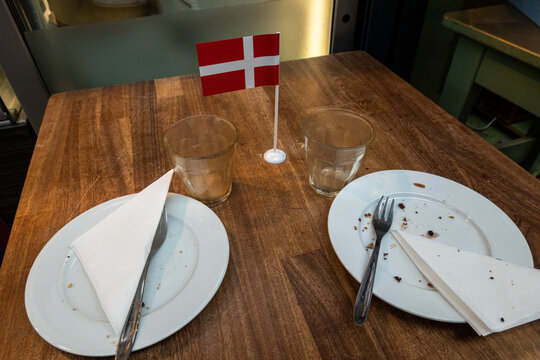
x=285, y=294
x=498, y=50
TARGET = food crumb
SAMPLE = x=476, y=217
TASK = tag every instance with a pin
x=108, y=336
x=70, y=285
x=385, y=254
x=451, y=217
x=440, y=217
x=430, y=284
x=401, y=206
x=431, y=234
x=182, y=251
x=355, y=228
x=502, y=319
x=404, y=224
x=398, y=279
x=370, y=246
x=368, y=215
x=419, y=185
x=491, y=278
x=419, y=280
x=393, y=246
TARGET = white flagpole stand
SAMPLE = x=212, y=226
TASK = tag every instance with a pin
x=275, y=155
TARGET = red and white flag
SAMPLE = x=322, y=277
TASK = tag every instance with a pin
x=240, y=63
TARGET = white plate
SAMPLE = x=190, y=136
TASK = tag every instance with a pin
x=183, y=276
x=458, y=215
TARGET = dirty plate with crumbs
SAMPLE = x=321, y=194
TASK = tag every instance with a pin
x=183, y=277
x=426, y=205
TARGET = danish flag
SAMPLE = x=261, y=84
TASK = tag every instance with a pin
x=240, y=63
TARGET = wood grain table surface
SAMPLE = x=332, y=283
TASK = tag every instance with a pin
x=285, y=293
x=501, y=27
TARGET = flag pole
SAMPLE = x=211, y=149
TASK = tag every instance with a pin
x=276, y=106
x=275, y=155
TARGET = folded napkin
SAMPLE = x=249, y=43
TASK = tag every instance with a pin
x=114, y=251
x=490, y=294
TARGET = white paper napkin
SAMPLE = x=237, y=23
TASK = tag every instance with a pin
x=490, y=294
x=114, y=251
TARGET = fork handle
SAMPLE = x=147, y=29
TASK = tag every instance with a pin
x=129, y=332
x=363, y=299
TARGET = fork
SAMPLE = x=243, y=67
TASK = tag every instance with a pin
x=381, y=223
x=131, y=325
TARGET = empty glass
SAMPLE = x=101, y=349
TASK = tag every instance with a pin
x=335, y=142
x=202, y=148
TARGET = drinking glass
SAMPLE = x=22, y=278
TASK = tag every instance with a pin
x=335, y=143
x=202, y=148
